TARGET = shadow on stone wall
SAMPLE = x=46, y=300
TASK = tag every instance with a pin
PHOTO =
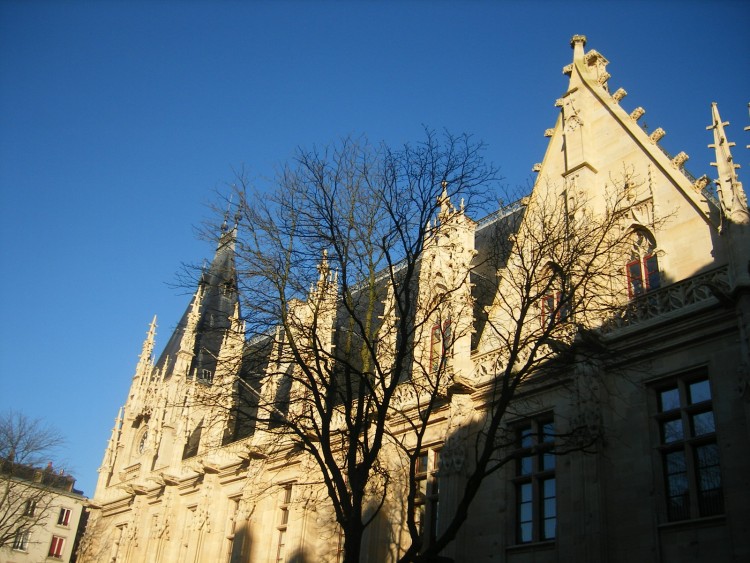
x=241, y=544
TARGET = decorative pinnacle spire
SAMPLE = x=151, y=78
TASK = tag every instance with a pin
x=191, y=327
x=731, y=195
x=145, y=360
x=225, y=224
x=444, y=200
x=148, y=344
x=323, y=266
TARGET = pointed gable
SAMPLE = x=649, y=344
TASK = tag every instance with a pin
x=597, y=143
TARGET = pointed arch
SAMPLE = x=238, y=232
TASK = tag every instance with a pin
x=642, y=265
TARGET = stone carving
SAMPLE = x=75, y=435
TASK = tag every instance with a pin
x=549, y=132
x=692, y=291
x=598, y=64
x=701, y=183
x=642, y=213
x=637, y=113
x=578, y=39
x=657, y=135
x=203, y=514
x=453, y=454
x=680, y=160
x=573, y=123
x=131, y=530
x=163, y=521
x=619, y=94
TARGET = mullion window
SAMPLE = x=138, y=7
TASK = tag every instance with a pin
x=642, y=269
x=21, y=540
x=690, y=454
x=284, y=507
x=536, y=488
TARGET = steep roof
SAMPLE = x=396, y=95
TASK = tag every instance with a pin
x=206, y=318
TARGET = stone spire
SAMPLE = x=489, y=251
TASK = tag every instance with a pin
x=187, y=342
x=194, y=345
x=731, y=195
x=145, y=360
x=110, y=455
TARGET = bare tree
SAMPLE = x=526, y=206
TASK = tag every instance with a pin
x=362, y=288
x=27, y=478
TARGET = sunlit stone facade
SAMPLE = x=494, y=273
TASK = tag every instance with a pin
x=669, y=482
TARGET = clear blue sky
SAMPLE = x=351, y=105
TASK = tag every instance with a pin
x=118, y=120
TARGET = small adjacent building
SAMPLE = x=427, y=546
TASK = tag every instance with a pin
x=45, y=516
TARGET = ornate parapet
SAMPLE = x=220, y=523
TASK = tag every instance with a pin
x=699, y=289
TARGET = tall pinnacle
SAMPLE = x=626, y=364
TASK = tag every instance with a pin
x=731, y=195
x=148, y=345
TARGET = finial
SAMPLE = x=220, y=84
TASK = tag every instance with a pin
x=577, y=39
x=225, y=224
x=578, y=42
x=444, y=200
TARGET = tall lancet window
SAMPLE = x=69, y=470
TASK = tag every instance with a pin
x=440, y=342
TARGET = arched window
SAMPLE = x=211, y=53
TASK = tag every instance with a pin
x=642, y=268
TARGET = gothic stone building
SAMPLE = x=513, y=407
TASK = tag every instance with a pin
x=670, y=482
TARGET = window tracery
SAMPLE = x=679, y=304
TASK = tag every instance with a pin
x=642, y=268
